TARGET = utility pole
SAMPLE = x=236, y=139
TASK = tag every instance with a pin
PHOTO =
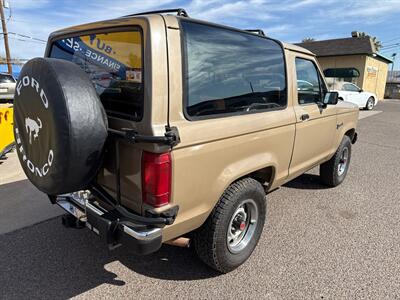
x=5, y=34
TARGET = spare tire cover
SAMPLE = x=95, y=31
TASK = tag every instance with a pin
x=60, y=125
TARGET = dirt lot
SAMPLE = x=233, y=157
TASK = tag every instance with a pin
x=317, y=243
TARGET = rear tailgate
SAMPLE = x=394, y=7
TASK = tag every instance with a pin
x=117, y=57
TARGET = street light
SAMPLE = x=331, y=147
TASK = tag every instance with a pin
x=393, y=59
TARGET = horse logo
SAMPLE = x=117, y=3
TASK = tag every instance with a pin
x=33, y=127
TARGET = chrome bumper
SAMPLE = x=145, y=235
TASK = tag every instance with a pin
x=144, y=238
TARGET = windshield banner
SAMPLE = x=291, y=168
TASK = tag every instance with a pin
x=107, y=51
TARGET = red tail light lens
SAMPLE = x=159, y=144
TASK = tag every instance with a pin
x=156, y=178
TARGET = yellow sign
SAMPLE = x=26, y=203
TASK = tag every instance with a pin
x=6, y=129
x=119, y=53
x=125, y=47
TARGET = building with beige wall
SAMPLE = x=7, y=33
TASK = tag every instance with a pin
x=343, y=55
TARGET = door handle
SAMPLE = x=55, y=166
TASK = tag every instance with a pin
x=305, y=117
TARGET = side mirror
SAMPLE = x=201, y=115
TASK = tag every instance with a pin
x=360, y=91
x=331, y=98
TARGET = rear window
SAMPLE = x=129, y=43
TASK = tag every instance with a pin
x=231, y=72
x=114, y=63
x=4, y=78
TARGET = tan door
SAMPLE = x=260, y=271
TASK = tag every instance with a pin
x=315, y=124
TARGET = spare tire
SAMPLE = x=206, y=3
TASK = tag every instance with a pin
x=60, y=125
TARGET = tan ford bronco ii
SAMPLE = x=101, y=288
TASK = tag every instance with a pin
x=157, y=127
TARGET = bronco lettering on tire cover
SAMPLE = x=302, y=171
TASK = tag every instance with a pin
x=60, y=125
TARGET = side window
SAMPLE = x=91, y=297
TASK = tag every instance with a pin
x=230, y=72
x=350, y=87
x=346, y=88
x=309, y=89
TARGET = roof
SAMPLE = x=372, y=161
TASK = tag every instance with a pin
x=127, y=20
x=381, y=56
x=345, y=46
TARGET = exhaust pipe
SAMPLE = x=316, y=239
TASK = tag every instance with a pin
x=71, y=221
x=179, y=242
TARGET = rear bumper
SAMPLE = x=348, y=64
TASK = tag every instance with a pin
x=113, y=228
x=7, y=96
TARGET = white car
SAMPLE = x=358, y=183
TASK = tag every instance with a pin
x=351, y=93
x=7, y=87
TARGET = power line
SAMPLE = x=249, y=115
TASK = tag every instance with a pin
x=26, y=37
x=394, y=39
x=391, y=47
x=18, y=36
x=25, y=40
x=390, y=51
x=396, y=44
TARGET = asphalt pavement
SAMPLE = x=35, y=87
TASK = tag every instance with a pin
x=318, y=243
x=21, y=204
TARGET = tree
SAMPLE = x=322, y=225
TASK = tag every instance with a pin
x=377, y=43
x=308, y=40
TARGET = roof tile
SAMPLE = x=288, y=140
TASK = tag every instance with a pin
x=345, y=46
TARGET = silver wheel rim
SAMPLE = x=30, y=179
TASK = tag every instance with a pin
x=344, y=159
x=242, y=226
x=370, y=104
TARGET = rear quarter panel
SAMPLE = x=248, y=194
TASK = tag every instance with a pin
x=213, y=155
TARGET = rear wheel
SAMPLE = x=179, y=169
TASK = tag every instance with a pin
x=370, y=103
x=334, y=171
x=231, y=232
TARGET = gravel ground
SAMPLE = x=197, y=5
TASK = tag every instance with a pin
x=320, y=243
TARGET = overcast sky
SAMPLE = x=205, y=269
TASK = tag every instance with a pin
x=287, y=20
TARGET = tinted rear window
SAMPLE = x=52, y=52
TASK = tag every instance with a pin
x=231, y=72
x=114, y=63
x=4, y=78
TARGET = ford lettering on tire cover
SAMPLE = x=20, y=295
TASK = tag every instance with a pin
x=60, y=125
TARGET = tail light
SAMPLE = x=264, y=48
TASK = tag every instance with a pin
x=156, y=178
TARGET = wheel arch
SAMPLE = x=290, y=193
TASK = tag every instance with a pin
x=261, y=167
x=351, y=133
x=250, y=167
x=265, y=176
